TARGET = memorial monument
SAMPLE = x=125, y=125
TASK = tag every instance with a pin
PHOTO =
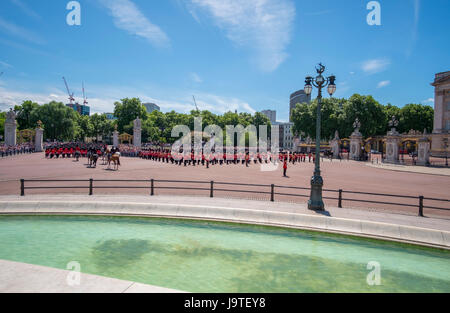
x=39, y=138
x=115, y=137
x=335, y=146
x=137, y=133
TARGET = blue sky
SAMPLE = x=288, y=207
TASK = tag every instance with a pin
x=245, y=55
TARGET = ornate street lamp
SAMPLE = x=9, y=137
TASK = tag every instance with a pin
x=316, y=202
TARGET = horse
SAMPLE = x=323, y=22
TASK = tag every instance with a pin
x=116, y=159
x=106, y=157
x=93, y=160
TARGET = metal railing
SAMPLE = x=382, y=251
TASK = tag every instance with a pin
x=212, y=187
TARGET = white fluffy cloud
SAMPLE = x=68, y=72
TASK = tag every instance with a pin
x=196, y=78
x=375, y=65
x=383, y=83
x=264, y=26
x=99, y=104
x=128, y=17
x=428, y=101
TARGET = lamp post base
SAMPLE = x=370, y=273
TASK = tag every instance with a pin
x=316, y=203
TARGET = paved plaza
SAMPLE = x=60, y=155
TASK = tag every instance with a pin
x=346, y=175
x=27, y=278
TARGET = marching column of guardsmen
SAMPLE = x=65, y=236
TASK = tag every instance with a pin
x=207, y=159
x=74, y=150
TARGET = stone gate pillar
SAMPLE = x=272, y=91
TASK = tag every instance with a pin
x=10, y=128
x=392, y=141
x=39, y=138
x=423, y=156
x=356, y=141
x=137, y=132
x=392, y=150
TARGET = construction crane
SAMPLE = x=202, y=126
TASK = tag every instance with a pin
x=195, y=102
x=71, y=98
x=85, y=102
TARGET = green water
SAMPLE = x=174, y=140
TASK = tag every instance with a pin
x=216, y=257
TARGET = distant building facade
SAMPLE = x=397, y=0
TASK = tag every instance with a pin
x=151, y=107
x=271, y=115
x=298, y=97
x=80, y=108
x=441, y=129
x=286, y=138
x=110, y=116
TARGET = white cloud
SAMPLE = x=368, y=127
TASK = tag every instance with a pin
x=375, y=65
x=383, y=83
x=219, y=104
x=26, y=9
x=196, y=78
x=102, y=104
x=5, y=65
x=18, y=31
x=428, y=101
x=128, y=17
x=261, y=25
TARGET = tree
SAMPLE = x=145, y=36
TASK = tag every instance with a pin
x=101, y=126
x=127, y=110
x=416, y=117
x=304, y=120
x=59, y=120
x=2, y=123
x=390, y=111
x=304, y=117
x=260, y=119
x=83, y=127
x=24, y=114
x=370, y=113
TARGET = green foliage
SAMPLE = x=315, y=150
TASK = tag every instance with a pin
x=340, y=114
x=84, y=127
x=2, y=123
x=416, y=117
x=127, y=110
x=304, y=118
x=24, y=114
x=63, y=123
x=369, y=112
x=59, y=120
x=101, y=126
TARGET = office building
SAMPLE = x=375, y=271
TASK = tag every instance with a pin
x=271, y=115
x=80, y=108
x=110, y=116
x=151, y=107
x=298, y=97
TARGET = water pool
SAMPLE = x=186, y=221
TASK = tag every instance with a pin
x=218, y=257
